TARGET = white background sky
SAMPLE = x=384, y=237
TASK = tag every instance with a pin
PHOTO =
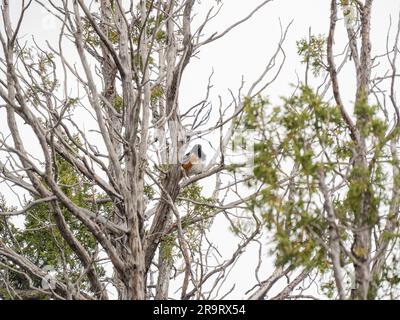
x=244, y=52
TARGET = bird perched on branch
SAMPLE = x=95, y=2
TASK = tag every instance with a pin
x=193, y=162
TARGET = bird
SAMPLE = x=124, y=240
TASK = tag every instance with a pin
x=193, y=162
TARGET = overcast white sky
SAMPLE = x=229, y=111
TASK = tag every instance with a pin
x=244, y=52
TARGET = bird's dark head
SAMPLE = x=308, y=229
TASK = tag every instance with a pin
x=197, y=151
x=194, y=161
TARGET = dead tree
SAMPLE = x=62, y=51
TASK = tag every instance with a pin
x=120, y=68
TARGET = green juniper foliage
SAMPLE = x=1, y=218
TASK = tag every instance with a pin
x=298, y=138
x=312, y=52
x=40, y=240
